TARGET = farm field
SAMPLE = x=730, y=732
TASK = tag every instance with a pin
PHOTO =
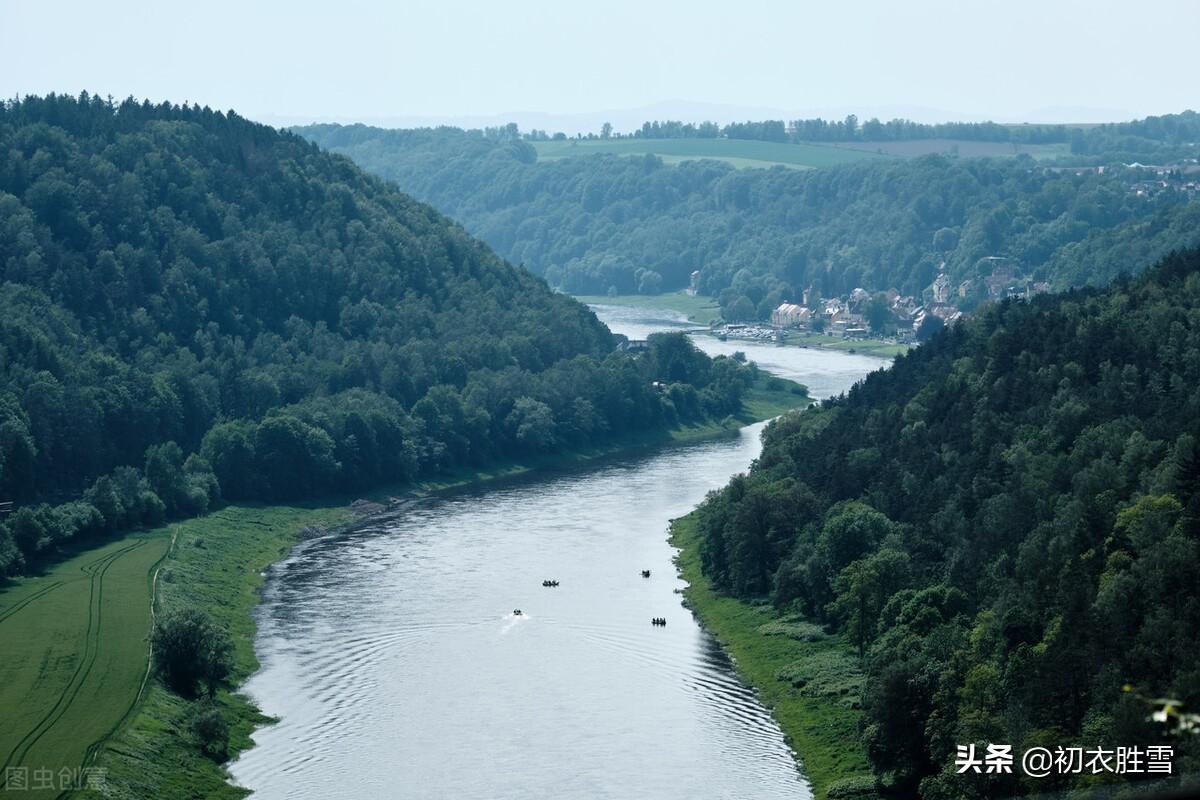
x=741, y=153
x=966, y=148
x=74, y=658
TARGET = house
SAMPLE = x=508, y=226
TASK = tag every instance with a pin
x=941, y=288
x=790, y=315
x=843, y=321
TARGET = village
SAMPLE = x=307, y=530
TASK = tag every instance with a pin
x=887, y=316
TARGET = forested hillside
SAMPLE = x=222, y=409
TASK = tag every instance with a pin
x=1006, y=524
x=196, y=307
x=604, y=223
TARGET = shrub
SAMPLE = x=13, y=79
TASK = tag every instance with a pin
x=210, y=730
x=854, y=786
x=191, y=651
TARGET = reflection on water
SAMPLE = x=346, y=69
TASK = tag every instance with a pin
x=397, y=667
x=825, y=372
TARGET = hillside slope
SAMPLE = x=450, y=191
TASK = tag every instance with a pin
x=195, y=306
x=603, y=222
x=1006, y=523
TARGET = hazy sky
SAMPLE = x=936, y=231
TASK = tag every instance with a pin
x=351, y=59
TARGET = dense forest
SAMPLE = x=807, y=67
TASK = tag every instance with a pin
x=1005, y=524
x=196, y=307
x=605, y=223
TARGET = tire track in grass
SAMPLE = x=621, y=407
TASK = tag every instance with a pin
x=93, y=750
x=96, y=570
x=39, y=593
x=8, y=612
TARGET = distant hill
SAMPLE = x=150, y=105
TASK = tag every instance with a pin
x=599, y=223
x=1006, y=525
x=196, y=307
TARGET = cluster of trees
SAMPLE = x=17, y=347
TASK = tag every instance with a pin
x=1005, y=524
x=194, y=306
x=1152, y=138
x=602, y=223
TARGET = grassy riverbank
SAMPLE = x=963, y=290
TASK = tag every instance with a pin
x=866, y=347
x=89, y=702
x=810, y=680
x=704, y=310
x=698, y=309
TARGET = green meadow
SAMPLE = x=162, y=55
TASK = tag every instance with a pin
x=740, y=153
x=699, y=309
x=74, y=660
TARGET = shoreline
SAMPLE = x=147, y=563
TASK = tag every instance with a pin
x=220, y=563
x=700, y=310
x=808, y=680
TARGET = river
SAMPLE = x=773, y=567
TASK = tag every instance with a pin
x=396, y=666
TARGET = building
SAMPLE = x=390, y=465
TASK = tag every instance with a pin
x=790, y=315
x=941, y=288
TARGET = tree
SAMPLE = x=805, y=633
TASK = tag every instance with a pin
x=211, y=730
x=532, y=423
x=879, y=313
x=741, y=310
x=862, y=589
x=230, y=448
x=164, y=472
x=191, y=652
x=295, y=458
x=945, y=240
x=606, y=130
x=929, y=327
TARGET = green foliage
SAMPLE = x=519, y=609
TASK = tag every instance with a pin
x=197, y=307
x=794, y=629
x=856, y=786
x=210, y=729
x=1006, y=523
x=599, y=223
x=191, y=651
x=830, y=673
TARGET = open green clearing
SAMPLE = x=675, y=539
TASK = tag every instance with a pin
x=740, y=153
x=866, y=347
x=699, y=309
x=74, y=662
x=809, y=679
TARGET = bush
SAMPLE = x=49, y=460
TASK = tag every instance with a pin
x=856, y=786
x=798, y=630
x=828, y=674
x=191, y=651
x=210, y=730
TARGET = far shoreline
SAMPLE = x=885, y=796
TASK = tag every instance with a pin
x=703, y=311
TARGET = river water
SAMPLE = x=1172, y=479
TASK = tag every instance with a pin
x=396, y=666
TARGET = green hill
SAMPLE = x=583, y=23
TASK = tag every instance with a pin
x=196, y=307
x=1006, y=527
x=608, y=224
